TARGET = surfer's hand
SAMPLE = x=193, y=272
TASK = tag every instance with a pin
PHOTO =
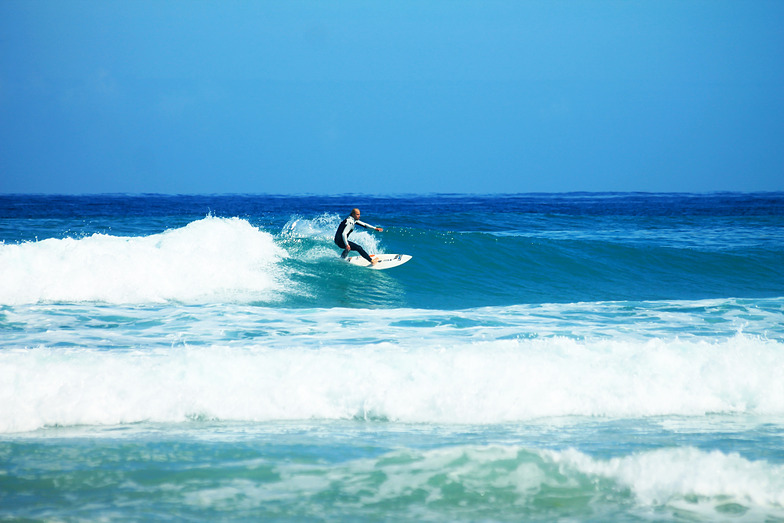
x=379, y=229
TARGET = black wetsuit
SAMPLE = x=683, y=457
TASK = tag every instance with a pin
x=345, y=228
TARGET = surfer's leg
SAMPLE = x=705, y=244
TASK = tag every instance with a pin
x=361, y=251
x=339, y=243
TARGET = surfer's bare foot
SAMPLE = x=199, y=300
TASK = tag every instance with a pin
x=374, y=261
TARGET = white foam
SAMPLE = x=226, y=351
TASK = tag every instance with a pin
x=486, y=382
x=209, y=259
x=674, y=475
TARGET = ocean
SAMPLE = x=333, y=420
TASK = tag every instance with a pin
x=574, y=357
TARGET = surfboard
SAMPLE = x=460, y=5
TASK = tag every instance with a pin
x=385, y=261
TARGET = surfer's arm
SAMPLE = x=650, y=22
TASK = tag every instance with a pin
x=368, y=226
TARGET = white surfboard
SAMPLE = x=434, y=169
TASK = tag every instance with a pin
x=385, y=261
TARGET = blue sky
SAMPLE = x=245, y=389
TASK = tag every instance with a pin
x=391, y=97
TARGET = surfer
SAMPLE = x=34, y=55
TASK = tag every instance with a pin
x=345, y=228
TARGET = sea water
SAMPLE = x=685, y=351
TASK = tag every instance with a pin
x=584, y=357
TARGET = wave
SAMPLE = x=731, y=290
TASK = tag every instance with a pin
x=213, y=259
x=458, y=268
x=229, y=260
x=480, y=382
x=507, y=482
x=280, y=478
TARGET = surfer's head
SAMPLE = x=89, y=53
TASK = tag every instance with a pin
x=355, y=213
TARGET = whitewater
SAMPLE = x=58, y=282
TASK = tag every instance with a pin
x=583, y=356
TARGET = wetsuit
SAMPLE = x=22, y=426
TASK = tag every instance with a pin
x=345, y=228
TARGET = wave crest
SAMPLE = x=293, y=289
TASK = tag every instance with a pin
x=224, y=259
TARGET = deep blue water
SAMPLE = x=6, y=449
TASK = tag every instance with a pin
x=586, y=356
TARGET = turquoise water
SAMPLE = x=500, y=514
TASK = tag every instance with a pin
x=578, y=356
